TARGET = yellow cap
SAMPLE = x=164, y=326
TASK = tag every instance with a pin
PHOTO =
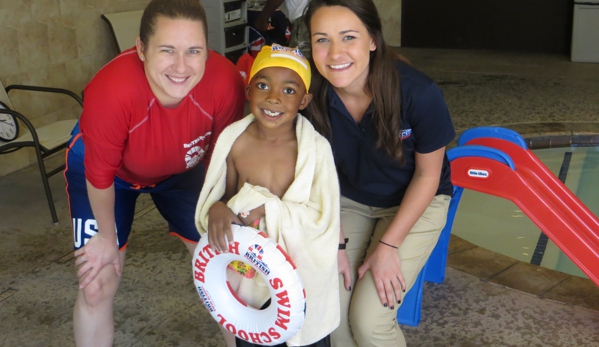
x=281, y=56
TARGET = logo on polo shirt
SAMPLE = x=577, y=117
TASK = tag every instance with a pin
x=194, y=156
x=404, y=134
x=195, y=153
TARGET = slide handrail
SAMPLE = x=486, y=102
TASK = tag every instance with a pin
x=492, y=132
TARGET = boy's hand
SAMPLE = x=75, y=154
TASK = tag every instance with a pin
x=220, y=218
x=254, y=214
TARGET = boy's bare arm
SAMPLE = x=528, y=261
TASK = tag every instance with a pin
x=238, y=161
x=220, y=216
x=232, y=177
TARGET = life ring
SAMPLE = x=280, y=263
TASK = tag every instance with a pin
x=271, y=326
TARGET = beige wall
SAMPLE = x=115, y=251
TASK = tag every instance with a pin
x=390, y=13
x=55, y=43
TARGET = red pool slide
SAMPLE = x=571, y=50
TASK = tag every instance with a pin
x=496, y=161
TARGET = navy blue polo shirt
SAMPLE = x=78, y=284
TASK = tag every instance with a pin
x=368, y=175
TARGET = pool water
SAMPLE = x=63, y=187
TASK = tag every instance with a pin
x=499, y=225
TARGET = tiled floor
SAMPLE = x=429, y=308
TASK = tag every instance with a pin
x=539, y=281
x=486, y=300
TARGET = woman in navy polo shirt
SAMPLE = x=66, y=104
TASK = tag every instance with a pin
x=388, y=125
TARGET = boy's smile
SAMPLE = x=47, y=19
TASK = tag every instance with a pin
x=276, y=94
x=272, y=114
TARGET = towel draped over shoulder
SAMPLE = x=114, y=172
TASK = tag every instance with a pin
x=305, y=222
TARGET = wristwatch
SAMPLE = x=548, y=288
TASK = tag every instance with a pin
x=343, y=245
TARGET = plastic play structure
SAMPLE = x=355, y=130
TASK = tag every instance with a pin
x=497, y=161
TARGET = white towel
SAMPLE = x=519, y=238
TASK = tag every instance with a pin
x=305, y=222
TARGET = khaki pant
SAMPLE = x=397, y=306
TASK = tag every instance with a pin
x=364, y=321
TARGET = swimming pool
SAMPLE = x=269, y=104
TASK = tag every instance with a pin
x=499, y=225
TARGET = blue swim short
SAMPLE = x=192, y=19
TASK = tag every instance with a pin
x=175, y=198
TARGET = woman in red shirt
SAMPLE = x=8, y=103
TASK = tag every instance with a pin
x=150, y=119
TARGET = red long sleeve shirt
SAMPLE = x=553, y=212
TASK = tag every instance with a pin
x=128, y=134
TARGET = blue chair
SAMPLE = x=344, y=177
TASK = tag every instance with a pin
x=433, y=271
x=410, y=310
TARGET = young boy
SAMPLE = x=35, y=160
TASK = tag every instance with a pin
x=272, y=170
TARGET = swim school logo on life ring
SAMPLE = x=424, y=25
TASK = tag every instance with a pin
x=254, y=255
x=206, y=299
x=274, y=325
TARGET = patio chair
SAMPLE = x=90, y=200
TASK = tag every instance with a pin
x=124, y=27
x=45, y=140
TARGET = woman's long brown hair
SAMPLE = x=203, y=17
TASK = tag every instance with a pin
x=382, y=82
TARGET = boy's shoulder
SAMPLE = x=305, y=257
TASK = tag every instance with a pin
x=243, y=140
x=231, y=134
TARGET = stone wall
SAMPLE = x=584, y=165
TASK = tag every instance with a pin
x=54, y=43
x=63, y=43
x=390, y=13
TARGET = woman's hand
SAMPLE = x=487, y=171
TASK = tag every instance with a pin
x=95, y=255
x=102, y=249
x=220, y=218
x=384, y=264
x=344, y=269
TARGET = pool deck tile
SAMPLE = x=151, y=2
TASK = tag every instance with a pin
x=458, y=244
x=547, y=129
x=584, y=128
x=576, y=291
x=527, y=130
x=529, y=278
x=498, y=269
x=480, y=262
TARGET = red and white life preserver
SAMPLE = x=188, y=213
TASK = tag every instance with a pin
x=271, y=326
